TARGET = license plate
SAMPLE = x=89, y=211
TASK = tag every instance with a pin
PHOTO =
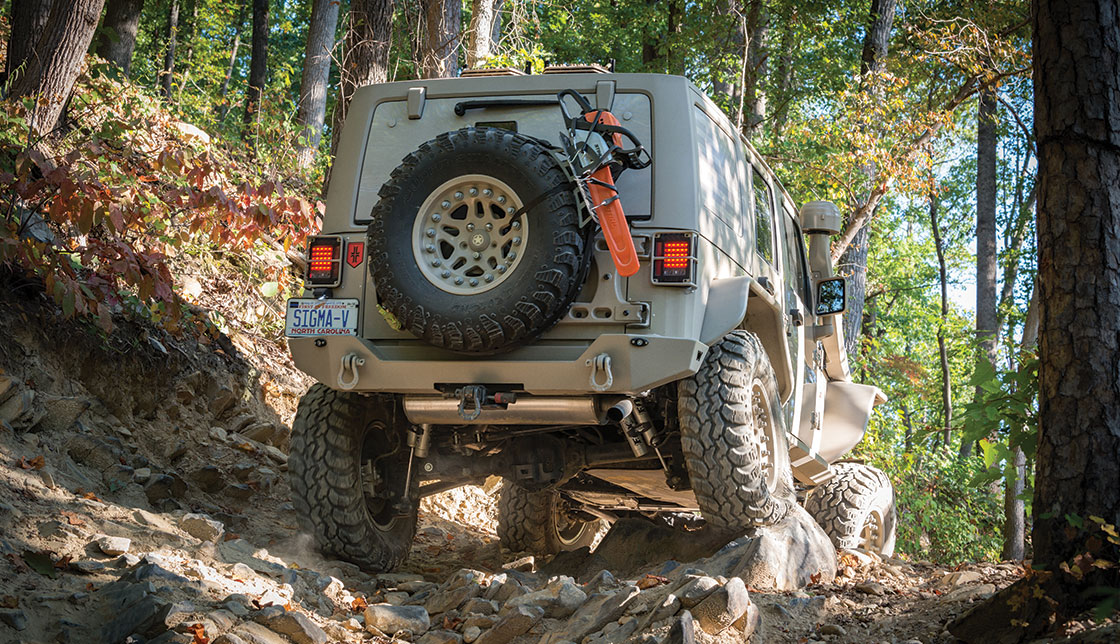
x=307, y=318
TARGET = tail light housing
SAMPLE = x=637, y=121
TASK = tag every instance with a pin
x=674, y=259
x=324, y=262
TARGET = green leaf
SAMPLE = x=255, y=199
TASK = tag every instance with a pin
x=991, y=454
x=270, y=289
x=40, y=562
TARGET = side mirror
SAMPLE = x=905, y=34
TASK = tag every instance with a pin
x=832, y=296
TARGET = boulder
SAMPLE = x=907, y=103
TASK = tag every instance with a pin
x=517, y=622
x=786, y=556
x=723, y=607
x=291, y=624
x=113, y=546
x=390, y=619
x=695, y=588
x=595, y=613
x=559, y=599
x=202, y=527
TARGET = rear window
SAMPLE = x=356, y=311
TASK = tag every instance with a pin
x=763, y=217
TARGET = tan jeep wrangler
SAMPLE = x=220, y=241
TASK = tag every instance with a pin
x=589, y=284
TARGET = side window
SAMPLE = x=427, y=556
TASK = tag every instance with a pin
x=763, y=218
x=794, y=259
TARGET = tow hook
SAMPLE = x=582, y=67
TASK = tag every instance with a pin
x=601, y=364
x=350, y=363
x=472, y=395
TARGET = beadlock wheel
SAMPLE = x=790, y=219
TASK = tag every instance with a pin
x=464, y=239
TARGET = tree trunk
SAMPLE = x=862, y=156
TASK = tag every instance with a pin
x=496, y=26
x=118, y=32
x=875, y=44
x=986, y=249
x=784, y=81
x=1079, y=270
x=673, y=37
x=59, y=52
x=946, y=382
x=258, y=64
x=169, y=52
x=441, y=43
x=365, y=56
x=233, y=48
x=313, y=85
x=758, y=28
x=483, y=14
x=28, y=18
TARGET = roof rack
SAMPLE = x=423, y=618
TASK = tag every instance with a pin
x=576, y=69
x=496, y=71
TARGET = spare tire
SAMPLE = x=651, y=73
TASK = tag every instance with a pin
x=449, y=261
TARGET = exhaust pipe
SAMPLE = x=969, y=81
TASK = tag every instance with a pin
x=620, y=410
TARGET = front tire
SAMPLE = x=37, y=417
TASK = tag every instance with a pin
x=856, y=508
x=346, y=469
x=537, y=522
x=733, y=439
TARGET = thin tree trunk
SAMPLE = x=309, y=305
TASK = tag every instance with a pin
x=673, y=37
x=481, y=42
x=946, y=382
x=169, y=52
x=854, y=258
x=59, y=52
x=986, y=319
x=758, y=27
x=234, y=46
x=117, y=39
x=365, y=57
x=784, y=81
x=28, y=18
x=441, y=41
x=1014, y=510
x=313, y=85
x=258, y=64
x=496, y=26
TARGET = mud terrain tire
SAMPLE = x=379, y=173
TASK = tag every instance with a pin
x=534, y=522
x=733, y=436
x=448, y=261
x=335, y=436
x=856, y=508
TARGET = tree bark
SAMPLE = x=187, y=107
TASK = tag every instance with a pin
x=59, y=52
x=233, y=48
x=169, y=53
x=946, y=382
x=258, y=64
x=758, y=28
x=117, y=39
x=986, y=249
x=365, y=55
x=481, y=42
x=313, y=84
x=1077, y=125
x=28, y=18
x=854, y=257
x=441, y=42
x=496, y=26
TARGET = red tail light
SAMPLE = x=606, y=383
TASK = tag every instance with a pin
x=674, y=259
x=324, y=262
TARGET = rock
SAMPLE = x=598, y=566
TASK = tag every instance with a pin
x=201, y=527
x=141, y=475
x=275, y=454
x=47, y=479
x=601, y=582
x=695, y=590
x=60, y=412
x=786, y=556
x=87, y=566
x=833, y=629
x=93, y=452
x=140, y=617
x=959, y=578
x=516, y=622
x=440, y=637
x=559, y=599
x=749, y=622
x=21, y=410
x=219, y=434
x=390, y=619
x=208, y=478
x=254, y=633
x=502, y=589
x=524, y=564
x=260, y=432
x=292, y=624
x=683, y=630
x=175, y=450
x=15, y=619
x=243, y=471
x=667, y=608
x=444, y=600
x=632, y=544
x=723, y=607
x=164, y=486
x=482, y=622
x=982, y=591
x=871, y=588
x=228, y=638
x=595, y=613
x=222, y=401
x=113, y=546
x=480, y=606
x=238, y=491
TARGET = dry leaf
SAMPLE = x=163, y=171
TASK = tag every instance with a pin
x=245, y=447
x=63, y=562
x=649, y=581
x=198, y=631
x=815, y=578
x=90, y=496
x=450, y=623
x=9, y=601
x=288, y=607
x=358, y=605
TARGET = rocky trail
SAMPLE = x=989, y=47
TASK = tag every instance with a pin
x=143, y=499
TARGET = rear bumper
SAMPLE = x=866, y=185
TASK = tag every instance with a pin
x=542, y=368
